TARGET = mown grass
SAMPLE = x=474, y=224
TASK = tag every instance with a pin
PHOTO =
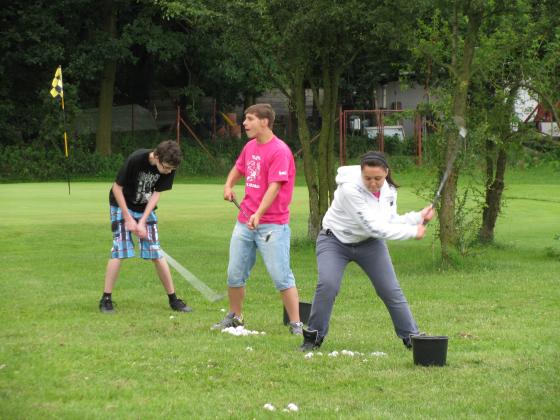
x=61, y=358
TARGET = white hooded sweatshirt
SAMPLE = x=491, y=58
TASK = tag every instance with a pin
x=356, y=214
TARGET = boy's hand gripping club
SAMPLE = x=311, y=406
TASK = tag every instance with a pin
x=264, y=238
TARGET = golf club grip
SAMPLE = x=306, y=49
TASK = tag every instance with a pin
x=239, y=207
x=433, y=206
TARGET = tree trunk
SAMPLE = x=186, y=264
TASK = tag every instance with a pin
x=309, y=167
x=105, y=122
x=326, y=159
x=333, y=105
x=448, y=231
x=494, y=189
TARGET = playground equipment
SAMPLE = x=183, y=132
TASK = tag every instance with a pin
x=350, y=121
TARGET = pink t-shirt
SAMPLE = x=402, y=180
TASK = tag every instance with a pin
x=262, y=164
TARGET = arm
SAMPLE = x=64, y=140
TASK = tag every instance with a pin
x=410, y=218
x=356, y=207
x=141, y=230
x=268, y=198
x=413, y=217
x=233, y=176
x=129, y=222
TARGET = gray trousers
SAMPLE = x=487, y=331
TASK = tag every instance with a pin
x=373, y=257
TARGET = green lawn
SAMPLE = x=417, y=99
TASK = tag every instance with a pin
x=61, y=358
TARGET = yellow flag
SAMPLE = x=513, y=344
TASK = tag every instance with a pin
x=57, y=89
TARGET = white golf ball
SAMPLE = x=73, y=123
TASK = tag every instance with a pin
x=269, y=407
x=292, y=407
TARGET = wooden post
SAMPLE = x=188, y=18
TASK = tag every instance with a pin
x=178, y=126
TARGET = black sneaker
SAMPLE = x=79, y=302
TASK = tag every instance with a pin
x=180, y=306
x=311, y=340
x=106, y=305
x=408, y=340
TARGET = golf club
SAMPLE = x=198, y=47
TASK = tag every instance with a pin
x=460, y=123
x=194, y=281
x=264, y=238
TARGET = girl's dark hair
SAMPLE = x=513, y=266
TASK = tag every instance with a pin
x=378, y=159
x=168, y=152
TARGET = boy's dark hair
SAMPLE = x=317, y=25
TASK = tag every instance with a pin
x=168, y=152
x=377, y=159
x=262, y=111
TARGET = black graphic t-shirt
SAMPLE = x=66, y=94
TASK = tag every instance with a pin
x=139, y=180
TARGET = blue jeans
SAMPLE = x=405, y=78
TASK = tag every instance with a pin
x=275, y=253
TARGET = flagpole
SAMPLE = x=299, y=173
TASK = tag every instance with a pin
x=58, y=90
x=65, y=137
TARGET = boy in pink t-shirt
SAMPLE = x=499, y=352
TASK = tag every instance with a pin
x=268, y=166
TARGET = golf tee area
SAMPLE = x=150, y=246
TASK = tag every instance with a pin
x=61, y=358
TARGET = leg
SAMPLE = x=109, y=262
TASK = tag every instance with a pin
x=375, y=260
x=236, y=295
x=123, y=247
x=111, y=274
x=290, y=299
x=150, y=249
x=242, y=258
x=276, y=257
x=332, y=259
x=164, y=274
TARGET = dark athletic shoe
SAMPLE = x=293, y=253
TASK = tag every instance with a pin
x=311, y=340
x=180, y=306
x=408, y=340
x=106, y=305
x=229, y=321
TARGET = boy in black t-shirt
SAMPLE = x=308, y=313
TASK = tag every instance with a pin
x=133, y=200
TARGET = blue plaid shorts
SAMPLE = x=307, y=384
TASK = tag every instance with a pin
x=123, y=245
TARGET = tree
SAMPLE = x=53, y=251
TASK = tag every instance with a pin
x=523, y=53
x=298, y=45
x=450, y=39
x=105, y=120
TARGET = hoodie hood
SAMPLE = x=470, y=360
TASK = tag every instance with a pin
x=353, y=175
x=349, y=174
x=356, y=214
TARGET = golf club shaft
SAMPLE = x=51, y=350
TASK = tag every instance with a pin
x=438, y=193
x=194, y=281
x=246, y=217
x=459, y=122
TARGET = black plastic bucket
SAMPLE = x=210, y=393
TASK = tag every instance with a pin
x=429, y=350
x=304, y=311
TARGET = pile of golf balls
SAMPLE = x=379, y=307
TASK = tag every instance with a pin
x=348, y=353
x=241, y=331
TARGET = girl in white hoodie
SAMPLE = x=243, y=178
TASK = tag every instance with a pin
x=362, y=216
